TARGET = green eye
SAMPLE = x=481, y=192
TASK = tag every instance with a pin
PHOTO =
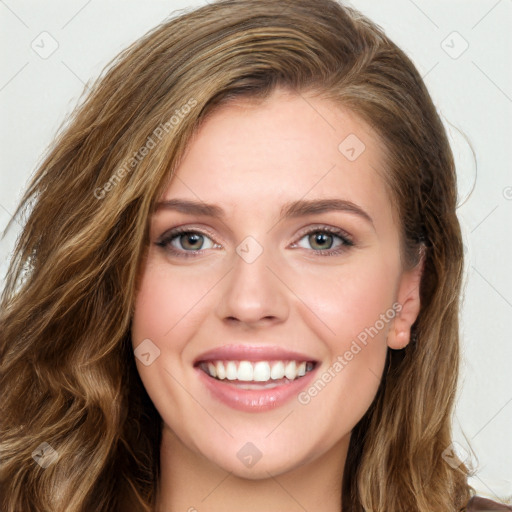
x=323, y=240
x=185, y=242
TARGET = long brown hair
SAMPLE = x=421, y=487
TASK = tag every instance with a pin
x=68, y=376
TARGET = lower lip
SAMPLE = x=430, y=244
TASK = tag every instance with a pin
x=250, y=400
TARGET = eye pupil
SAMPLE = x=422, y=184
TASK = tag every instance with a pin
x=321, y=239
x=191, y=238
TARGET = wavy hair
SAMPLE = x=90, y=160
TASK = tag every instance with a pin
x=68, y=375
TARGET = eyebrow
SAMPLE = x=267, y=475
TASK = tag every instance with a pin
x=293, y=209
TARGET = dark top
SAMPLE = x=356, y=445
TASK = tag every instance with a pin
x=478, y=504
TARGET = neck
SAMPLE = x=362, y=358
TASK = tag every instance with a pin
x=191, y=483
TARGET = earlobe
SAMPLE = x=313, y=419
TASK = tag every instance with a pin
x=409, y=298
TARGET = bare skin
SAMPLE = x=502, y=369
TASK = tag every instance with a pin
x=250, y=160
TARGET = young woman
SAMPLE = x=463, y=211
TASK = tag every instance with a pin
x=238, y=284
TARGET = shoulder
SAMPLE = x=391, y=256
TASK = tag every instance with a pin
x=478, y=504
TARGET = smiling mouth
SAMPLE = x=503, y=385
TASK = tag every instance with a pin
x=258, y=374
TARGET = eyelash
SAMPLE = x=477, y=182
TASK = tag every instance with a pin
x=342, y=235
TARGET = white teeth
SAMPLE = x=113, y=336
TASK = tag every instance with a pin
x=245, y=371
x=231, y=372
x=277, y=371
x=221, y=371
x=290, y=371
x=261, y=371
x=212, y=369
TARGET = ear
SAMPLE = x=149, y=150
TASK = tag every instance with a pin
x=399, y=333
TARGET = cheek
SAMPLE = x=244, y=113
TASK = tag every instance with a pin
x=353, y=304
x=350, y=298
x=169, y=305
x=167, y=302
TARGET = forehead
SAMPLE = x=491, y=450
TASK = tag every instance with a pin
x=252, y=157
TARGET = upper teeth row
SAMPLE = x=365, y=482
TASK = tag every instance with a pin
x=260, y=371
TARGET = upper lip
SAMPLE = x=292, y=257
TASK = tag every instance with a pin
x=252, y=353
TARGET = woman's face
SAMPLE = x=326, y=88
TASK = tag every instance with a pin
x=287, y=261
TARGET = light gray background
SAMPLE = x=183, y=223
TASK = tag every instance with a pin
x=472, y=88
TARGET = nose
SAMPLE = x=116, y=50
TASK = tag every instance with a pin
x=253, y=294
